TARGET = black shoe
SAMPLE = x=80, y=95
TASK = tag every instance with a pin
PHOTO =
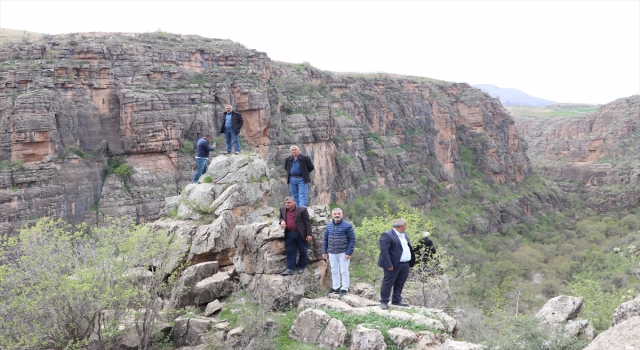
x=402, y=303
x=384, y=306
x=333, y=291
x=343, y=292
x=287, y=272
x=301, y=270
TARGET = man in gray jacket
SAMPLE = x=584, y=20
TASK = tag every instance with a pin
x=339, y=242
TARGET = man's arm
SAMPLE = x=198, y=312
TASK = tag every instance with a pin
x=307, y=223
x=385, y=258
x=211, y=148
x=351, y=236
x=309, y=163
x=240, y=121
x=282, y=219
x=325, y=242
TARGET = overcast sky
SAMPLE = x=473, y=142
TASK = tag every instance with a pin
x=571, y=51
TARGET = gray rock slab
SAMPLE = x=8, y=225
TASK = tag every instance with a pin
x=625, y=335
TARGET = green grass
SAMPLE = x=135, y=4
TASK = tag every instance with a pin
x=552, y=111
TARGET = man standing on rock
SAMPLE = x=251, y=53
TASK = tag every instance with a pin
x=231, y=125
x=396, y=256
x=295, y=221
x=202, y=156
x=298, y=167
x=339, y=241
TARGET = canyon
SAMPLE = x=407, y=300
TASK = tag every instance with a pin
x=72, y=103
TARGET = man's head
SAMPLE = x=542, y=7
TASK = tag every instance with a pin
x=228, y=108
x=337, y=214
x=426, y=234
x=294, y=151
x=207, y=137
x=289, y=203
x=400, y=225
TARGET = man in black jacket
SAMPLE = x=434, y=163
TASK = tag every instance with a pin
x=298, y=167
x=230, y=127
x=296, y=223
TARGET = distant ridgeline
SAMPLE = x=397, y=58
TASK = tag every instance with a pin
x=513, y=97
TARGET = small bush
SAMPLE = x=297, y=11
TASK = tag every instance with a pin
x=187, y=147
x=124, y=171
x=80, y=152
x=207, y=179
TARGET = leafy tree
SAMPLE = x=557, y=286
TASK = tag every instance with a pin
x=61, y=285
x=599, y=304
x=368, y=238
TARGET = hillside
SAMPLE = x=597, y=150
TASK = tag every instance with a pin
x=513, y=97
x=15, y=36
x=95, y=125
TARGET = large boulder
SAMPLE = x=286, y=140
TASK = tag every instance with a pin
x=212, y=288
x=184, y=293
x=626, y=310
x=182, y=230
x=624, y=335
x=260, y=249
x=308, y=326
x=190, y=331
x=363, y=338
x=214, y=241
x=279, y=292
x=560, y=309
x=334, y=335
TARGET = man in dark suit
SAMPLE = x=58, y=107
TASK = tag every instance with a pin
x=396, y=256
x=297, y=233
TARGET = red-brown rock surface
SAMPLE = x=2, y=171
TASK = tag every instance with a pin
x=600, y=151
x=69, y=103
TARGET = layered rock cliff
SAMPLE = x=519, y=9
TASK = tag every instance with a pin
x=71, y=103
x=596, y=155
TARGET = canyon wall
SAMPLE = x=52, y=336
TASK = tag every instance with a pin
x=596, y=155
x=70, y=105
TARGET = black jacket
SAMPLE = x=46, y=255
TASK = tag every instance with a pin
x=306, y=166
x=425, y=249
x=236, y=122
x=303, y=222
x=391, y=250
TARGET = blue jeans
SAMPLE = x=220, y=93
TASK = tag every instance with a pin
x=395, y=279
x=299, y=191
x=292, y=243
x=231, y=136
x=202, y=164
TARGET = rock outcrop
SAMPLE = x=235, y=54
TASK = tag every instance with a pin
x=70, y=105
x=597, y=152
x=561, y=312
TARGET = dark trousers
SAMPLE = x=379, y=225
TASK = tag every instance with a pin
x=292, y=243
x=395, y=279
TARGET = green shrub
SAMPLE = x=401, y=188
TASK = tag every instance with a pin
x=57, y=280
x=124, y=171
x=187, y=147
x=207, y=179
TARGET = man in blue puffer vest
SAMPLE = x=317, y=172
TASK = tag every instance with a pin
x=339, y=242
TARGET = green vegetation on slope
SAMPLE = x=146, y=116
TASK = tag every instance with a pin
x=552, y=110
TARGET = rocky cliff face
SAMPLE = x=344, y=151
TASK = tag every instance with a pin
x=71, y=103
x=597, y=152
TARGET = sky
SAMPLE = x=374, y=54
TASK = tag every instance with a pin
x=564, y=51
